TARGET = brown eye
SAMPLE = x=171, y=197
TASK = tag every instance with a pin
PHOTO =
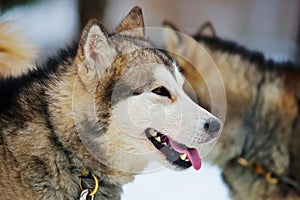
x=162, y=91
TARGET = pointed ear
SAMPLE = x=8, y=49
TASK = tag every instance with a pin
x=172, y=38
x=95, y=51
x=132, y=24
x=207, y=29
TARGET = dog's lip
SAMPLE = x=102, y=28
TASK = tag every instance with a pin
x=192, y=153
x=176, y=153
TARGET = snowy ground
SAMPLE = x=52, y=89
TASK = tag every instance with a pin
x=204, y=184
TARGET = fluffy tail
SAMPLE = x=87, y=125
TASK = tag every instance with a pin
x=16, y=53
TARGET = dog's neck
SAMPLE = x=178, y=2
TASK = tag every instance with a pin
x=66, y=129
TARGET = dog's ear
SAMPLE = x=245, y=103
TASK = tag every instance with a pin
x=172, y=37
x=95, y=50
x=132, y=24
x=207, y=29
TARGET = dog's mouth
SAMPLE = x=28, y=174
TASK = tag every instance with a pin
x=176, y=153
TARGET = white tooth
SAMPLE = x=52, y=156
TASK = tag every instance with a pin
x=153, y=133
x=165, y=143
x=187, y=160
x=158, y=139
x=183, y=156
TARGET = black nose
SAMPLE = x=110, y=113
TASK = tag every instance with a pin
x=212, y=126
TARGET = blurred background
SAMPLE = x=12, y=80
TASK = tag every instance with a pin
x=270, y=26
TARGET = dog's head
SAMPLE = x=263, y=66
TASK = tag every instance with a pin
x=139, y=110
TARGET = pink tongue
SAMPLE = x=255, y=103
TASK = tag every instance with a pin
x=192, y=153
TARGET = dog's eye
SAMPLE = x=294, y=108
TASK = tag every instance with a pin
x=162, y=91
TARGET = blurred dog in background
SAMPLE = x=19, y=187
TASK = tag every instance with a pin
x=260, y=141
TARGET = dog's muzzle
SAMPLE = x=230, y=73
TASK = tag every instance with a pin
x=178, y=154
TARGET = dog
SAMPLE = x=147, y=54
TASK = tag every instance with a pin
x=16, y=52
x=92, y=117
x=260, y=140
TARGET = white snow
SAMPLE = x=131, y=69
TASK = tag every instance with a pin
x=165, y=184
